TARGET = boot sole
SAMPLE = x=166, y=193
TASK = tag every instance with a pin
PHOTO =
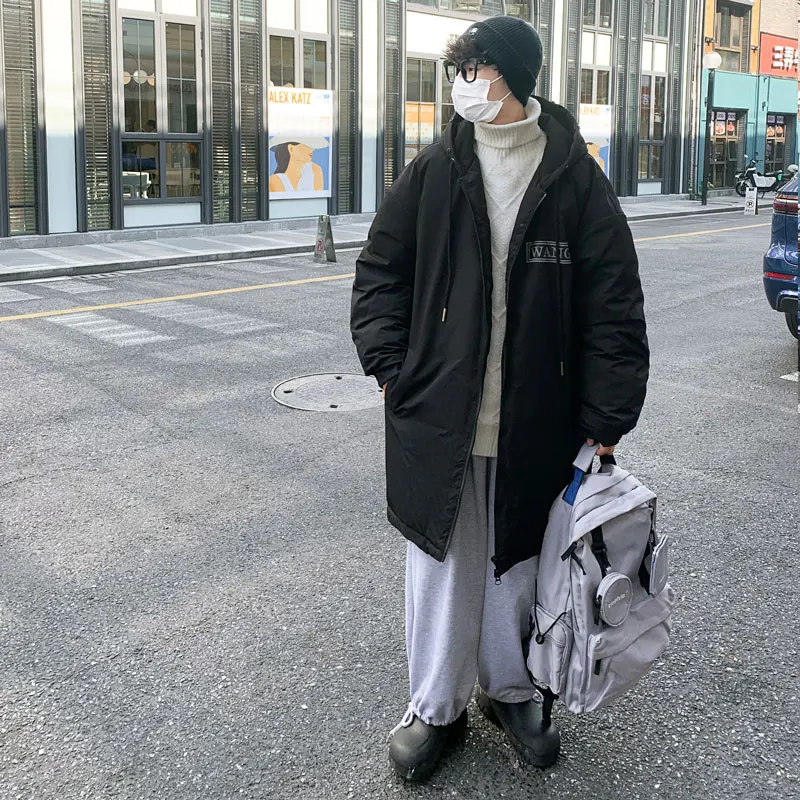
x=525, y=753
x=422, y=771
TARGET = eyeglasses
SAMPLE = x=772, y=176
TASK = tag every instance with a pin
x=468, y=69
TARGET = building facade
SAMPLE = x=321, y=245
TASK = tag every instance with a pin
x=118, y=114
x=755, y=102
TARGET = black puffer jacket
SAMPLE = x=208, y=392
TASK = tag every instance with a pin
x=575, y=360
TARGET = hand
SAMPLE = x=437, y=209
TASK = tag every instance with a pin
x=603, y=451
x=384, y=390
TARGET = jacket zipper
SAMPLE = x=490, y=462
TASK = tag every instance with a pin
x=503, y=362
x=480, y=393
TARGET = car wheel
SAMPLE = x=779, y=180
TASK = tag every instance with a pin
x=791, y=322
x=741, y=188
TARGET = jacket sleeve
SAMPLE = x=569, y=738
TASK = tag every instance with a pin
x=614, y=353
x=380, y=316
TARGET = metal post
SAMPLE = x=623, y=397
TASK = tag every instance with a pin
x=709, y=132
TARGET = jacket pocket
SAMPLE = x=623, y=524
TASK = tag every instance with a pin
x=619, y=657
x=549, y=649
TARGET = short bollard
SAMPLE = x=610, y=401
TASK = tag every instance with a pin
x=324, y=250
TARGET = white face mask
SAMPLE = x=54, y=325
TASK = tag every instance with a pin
x=471, y=100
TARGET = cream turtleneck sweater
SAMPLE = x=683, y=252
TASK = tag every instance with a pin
x=509, y=156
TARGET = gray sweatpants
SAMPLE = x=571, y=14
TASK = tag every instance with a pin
x=460, y=625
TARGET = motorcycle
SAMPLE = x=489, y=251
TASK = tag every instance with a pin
x=751, y=178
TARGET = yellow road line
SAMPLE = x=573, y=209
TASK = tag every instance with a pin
x=701, y=233
x=327, y=279
x=194, y=296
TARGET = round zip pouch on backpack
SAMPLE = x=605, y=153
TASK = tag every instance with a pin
x=614, y=598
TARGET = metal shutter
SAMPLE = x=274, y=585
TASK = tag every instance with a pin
x=619, y=162
x=543, y=22
x=221, y=37
x=97, y=117
x=21, y=123
x=633, y=71
x=672, y=177
x=393, y=92
x=348, y=152
x=250, y=110
x=574, y=18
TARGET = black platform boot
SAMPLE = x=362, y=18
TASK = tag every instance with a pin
x=417, y=747
x=528, y=726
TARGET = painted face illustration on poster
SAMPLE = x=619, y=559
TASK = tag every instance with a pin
x=301, y=128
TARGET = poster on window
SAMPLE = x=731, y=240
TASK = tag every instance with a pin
x=300, y=132
x=597, y=123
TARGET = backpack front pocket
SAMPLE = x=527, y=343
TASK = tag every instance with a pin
x=549, y=649
x=619, y=657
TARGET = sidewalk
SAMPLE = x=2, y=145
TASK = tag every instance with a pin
x=58, y=255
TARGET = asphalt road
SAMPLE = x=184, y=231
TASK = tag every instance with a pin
x=201, y=597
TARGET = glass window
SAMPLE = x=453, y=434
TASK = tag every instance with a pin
x=649, y=17
x=315, y=69
x=730, y=34
x=183, y=169
x=662, y=28
x=420, y=105
x=659, y=92
x=604, y=15
x=186, y=8
x=644, y=161
x=644, y=108
x=597, y=13
x=181, y=78
x=446, y=89
x=603, y=87
x=587, y=86
x=140, y=170
x=139, y=75
x=281, y=61
x=656, y=162
x=603, y=50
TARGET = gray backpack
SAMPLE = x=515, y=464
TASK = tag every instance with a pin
x=603, y=606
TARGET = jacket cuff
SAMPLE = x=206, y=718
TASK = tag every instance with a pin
x=385, y=376
x=606, y=437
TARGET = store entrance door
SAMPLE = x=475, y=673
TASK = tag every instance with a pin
x=727, y=147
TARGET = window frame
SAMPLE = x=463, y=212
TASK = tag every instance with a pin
x=744, y=35
x=438, y=75
x=649, y=141
x=596, y=26
x=162, y=136
x=593, y=65
x=299, y=37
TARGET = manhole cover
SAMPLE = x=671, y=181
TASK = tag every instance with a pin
x=332, y=391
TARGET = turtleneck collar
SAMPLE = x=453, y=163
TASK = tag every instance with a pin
x=514, y=134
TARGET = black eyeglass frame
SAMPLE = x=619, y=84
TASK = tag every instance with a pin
x=452, y=70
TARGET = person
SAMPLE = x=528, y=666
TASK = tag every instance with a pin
x=294, y=169
x=498, y=303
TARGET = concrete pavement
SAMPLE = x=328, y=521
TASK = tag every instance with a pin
x=201, y=597
x=81, y=254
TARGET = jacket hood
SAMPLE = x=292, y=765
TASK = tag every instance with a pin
x=565, y=145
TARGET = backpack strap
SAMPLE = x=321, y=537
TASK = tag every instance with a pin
x=548, y=698
x=599, y=550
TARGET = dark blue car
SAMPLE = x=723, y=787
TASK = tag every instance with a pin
x=780, y=262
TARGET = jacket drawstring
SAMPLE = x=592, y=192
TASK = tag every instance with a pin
x=558, y=282
x=449, y=266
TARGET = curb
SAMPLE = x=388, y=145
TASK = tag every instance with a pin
x=70, y=270
x=700, y=212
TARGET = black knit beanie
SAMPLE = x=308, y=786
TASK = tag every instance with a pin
x=514, y=47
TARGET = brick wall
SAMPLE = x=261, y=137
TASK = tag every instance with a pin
x=779, y=17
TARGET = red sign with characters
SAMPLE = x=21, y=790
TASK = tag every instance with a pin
x=778, y=56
